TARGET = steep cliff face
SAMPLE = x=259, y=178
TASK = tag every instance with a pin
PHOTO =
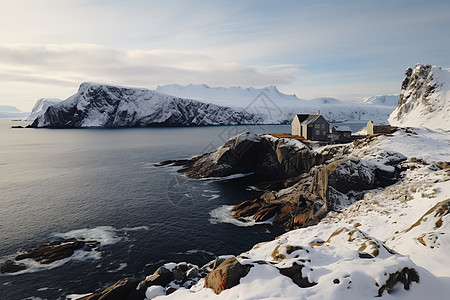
x=98, y=105
x=424, y=99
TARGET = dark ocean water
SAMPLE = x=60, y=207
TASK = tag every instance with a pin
x=102, y=184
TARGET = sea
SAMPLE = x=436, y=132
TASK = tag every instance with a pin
x=102, y=184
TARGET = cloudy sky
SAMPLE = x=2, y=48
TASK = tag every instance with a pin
x=342, y=49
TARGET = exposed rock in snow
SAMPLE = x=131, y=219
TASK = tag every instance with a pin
x=424, y=99
x=40, y=107
x=99, y=105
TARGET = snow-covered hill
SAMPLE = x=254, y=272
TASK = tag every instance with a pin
x=40, y=107
x=424, y=98
x=280, y=107
x=100, y=105
x=392, y=243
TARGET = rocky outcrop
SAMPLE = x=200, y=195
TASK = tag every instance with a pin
x=226, y=275
x=99, y=105
x=424, y=98
x=124, y=289
x=329, y=187
x=48, y=253
x=302, y=185
x=265, y=155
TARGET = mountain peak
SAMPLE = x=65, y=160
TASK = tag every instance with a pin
x=423, y=98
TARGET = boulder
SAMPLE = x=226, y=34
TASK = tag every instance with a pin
x=295, y=273
x=226, y=275
x=10, y=266
x=124, y=289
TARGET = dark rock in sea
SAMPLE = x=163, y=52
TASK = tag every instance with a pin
x=56, y=250
x=226, y=275
x=10, y=266
x=295, y=273
x=17, y=126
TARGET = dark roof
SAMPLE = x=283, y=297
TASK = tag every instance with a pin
x=302, y=117
x=310, y=119
x=342, y=128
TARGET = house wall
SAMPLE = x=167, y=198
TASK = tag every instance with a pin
x=296, y=128
x=369, y=128
x=319, y=130
x=382, y=129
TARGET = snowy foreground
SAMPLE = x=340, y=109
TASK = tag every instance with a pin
x=353, y=254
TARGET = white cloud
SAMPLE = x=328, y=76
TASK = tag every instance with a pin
x=60, y=66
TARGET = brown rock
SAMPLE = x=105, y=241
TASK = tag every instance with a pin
x=124, y=289
x=10, y=266
x=226, y=276
x=51, y=252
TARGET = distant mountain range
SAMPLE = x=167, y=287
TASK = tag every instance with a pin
x=101, y=105
x=7, y=111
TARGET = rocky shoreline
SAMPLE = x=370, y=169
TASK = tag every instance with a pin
x=301, y=183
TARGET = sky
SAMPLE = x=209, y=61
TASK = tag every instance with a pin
x=341, y=49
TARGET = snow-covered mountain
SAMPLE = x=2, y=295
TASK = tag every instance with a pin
x=424, y=98
x=40, y=107
x=280, y=107
x=7, y=111
x=100, y=105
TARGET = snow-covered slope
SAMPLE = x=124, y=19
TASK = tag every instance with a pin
x=281, y=108
x=40, y=107
x=424, y=98
x=360, y=252
x=100, y=105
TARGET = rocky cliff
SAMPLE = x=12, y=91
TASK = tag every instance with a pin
x=99, y=105
x=424, y=98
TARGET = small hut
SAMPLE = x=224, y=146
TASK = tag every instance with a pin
x=377, y=128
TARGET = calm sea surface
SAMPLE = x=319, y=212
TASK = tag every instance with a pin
x=102, y=184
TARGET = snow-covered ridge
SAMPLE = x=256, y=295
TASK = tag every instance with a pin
x=283, y=107
x=424, y=98
x=101, y=105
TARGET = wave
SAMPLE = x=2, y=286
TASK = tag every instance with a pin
x=223, y=214
x=105, y=235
